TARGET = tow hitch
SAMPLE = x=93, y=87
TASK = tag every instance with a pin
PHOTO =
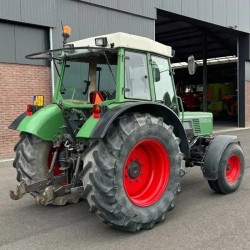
x=48, y=192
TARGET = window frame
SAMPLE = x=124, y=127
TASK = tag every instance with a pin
x=171, y=76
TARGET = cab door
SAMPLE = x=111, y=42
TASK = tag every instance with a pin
x=164, y=83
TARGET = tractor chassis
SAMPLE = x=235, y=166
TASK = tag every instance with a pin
x=199, y=147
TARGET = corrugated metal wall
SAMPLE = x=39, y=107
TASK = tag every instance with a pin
x=29, y=11
x=221, y=12
x=96, y=17
x=90, y=20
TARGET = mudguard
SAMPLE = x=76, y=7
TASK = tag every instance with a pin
x=45, y=123
x=154, y=109
x=213, y=156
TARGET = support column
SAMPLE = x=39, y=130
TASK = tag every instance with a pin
x=243, y=56
x=205, y=72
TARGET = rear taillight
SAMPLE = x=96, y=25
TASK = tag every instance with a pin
x=99, y=110
x=96, y=111
x=29, y=110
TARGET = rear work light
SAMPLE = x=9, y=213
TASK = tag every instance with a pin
x=101, y=41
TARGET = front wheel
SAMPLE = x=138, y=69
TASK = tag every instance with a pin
x=132, y=175
x=230, y=171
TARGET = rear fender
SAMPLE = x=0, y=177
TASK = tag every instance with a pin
x=154, y=109
x=214, y=153
x=46, y=123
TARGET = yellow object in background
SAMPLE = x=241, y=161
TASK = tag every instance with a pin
x=38, y=100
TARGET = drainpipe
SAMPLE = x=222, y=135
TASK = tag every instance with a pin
x=52, y=69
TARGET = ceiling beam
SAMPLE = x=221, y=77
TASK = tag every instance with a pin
x=175, y=32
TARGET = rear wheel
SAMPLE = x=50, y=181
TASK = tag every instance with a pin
x=132, y=175
x=230, y=171
x=32, y=156
x=33, y=159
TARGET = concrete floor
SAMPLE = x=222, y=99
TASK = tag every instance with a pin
x=201, y=220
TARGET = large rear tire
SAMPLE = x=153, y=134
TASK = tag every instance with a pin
x=132, y=176
x=31, y=161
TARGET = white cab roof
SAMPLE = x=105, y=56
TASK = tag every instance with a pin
x=124, y=40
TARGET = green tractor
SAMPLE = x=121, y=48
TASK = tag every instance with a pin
x=116, y=134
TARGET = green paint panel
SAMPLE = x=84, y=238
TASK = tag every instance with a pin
x=46, y=123
x=87, y=128
x=202, y=122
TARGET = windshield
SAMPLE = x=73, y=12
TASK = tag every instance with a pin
x=86, y=70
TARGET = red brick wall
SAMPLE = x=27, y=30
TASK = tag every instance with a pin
x=247, y=103
x=18, y=85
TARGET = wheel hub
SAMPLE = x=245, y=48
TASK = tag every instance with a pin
x=134, y=170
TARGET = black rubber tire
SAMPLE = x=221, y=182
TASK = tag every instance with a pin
x=221, y=185
x=31, y=161
x=103, y=178
x=213, y=186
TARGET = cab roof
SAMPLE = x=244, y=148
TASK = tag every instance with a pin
x=124, y=40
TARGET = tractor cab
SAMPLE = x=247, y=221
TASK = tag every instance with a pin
x=107, y=70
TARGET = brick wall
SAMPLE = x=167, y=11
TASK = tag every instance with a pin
x=18, y=85
x=247, y=103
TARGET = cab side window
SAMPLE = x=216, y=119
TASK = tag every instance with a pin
x=136, y=76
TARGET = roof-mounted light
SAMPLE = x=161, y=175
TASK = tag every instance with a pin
x=66, y=32
x=101, y=41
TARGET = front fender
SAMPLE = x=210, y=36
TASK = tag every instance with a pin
x=214, y=153
x=45, y=123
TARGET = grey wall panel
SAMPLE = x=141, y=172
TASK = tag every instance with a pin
x=233, y=13
x=7, y=41
x=19, y=40
x=247, y=71
x=159, y=3
x=205, y=10
x=93, y=21
x=10, y=10
x=145, y=8
x=131, y=24
x=149, y=8
x=190, y=8
x=244, y=15
x=38, y=12
x=107, y=3
x=36, y=39
x=220, y=12
x=135, y=7
x=89, y=20
x=172, y=6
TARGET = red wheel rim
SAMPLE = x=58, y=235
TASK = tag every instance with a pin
x=233, y=169
x=146, y=172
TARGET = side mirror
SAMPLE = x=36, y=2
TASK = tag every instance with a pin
x=156, y=73
x=191, y=65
